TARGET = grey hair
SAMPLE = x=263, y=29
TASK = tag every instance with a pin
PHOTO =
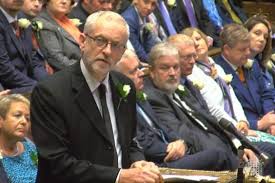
x=162, y=49
x=109, y=15
x=233, y=34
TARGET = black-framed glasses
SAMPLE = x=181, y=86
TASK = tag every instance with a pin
x=103, y=42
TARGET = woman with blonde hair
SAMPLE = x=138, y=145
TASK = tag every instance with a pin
x=18, y=154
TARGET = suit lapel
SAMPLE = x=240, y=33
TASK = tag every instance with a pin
x=86, y=102
x=12, y=35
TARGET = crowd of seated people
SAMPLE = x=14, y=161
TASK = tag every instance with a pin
x=180, y=99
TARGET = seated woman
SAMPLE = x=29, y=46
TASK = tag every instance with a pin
x=59, y=38
x=222, y=90
x=19, y=155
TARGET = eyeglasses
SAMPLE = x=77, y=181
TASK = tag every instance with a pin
x=189, y=57
x=103, y=43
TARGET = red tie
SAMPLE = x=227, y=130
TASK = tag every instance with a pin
x=16, y=28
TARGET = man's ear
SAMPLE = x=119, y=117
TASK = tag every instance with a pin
x=82, y=40
x=226, y=49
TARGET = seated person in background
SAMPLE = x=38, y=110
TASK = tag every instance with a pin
x=86, y=7
x=230, y=11
x=19, y=153
x=217, y=83
x=257, y=100
x=182, y=107
x=160, y=143
x=20, y=67
x=145, y=30
x=261, y=46
x=59, y=38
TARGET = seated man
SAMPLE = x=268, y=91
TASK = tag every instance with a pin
x=20, y=66
x=182, y=106
x=247, y=82
x=160, y=143
x=145, y=30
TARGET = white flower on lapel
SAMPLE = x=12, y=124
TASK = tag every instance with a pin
x=198, y=84
x=141, y=96
x=181, y=88
x=126, y=90
x=37, y=25
x=171, y=3
x=228, y=78
x=76, y=21
x=1, y=156
x=269, y=65
x=248, y=64
x=24, y=23
x=149, y=26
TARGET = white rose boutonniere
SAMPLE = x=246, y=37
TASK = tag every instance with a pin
x=76, y=21
x=123, y=91
x=198, y=84
x=181, y=90
x=24, y=23
x=37, y=25
x=228, y=78
x=171, y=3
x=248, y=64
x=269, y=65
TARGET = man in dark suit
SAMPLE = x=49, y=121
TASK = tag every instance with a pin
x=145, y=30
x=248, y=84
x=20, y=67
x=160, y=143
x=83, y=118
x=86, y=7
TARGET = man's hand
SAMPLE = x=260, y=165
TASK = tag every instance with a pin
x=141, y=172
x=267, y=120
x=5, y=92
x=249, y=155
x=175, y=150
x=242, y=126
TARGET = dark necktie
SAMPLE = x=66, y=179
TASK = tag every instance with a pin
x=107, y=119
x=166, y=18
x=190, y=13
x=16, y=28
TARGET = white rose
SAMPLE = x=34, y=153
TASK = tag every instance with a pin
x=39, y=25
x=24, y=23
x=198, y=84
x=228, y=78
x=181, y=88
x=269, y=65
x=171, y=3
x=248, y=64
x=76, y=21
x=144, y=96
x=126, y=89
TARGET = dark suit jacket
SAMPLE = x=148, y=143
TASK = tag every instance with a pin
x=195, y=136
x=80, y=13
x=150, y=138
x=20, y=66
x=180, y=19
x=224, y=14
x=255, y=98
x=70, y=133
x=142, y=48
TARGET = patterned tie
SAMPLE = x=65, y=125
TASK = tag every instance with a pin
x=166, y=17
x=16, y=28
x=107, y=119
x=240, y=73
x=190, y=13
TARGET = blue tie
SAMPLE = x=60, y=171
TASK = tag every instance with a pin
x=166, y=17
x=190, y=13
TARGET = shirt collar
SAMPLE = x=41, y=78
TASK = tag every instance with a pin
x=234, y=67
x=91, y=81
x=8, y=16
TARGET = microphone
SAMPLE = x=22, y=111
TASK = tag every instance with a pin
x=227, y=125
